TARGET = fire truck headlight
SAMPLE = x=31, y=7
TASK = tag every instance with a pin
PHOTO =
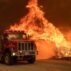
x=13, y=54
x=20, y=51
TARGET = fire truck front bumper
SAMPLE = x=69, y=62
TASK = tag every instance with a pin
x=24, y=53
x=21, y=55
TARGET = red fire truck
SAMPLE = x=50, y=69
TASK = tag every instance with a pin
x=16, y=46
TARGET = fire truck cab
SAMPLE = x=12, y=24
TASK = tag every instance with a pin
x=16, y=46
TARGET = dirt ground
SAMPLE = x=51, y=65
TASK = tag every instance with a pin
x=42, y=65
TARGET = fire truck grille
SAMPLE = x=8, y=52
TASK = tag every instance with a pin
x=25, y=46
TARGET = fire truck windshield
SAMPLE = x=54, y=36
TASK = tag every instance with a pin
x=18, y=36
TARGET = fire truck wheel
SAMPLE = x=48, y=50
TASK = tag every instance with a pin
x=31, y=60
x=8, y=59
x=2, y=59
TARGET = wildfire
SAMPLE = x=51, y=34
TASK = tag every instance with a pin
x=46, y=36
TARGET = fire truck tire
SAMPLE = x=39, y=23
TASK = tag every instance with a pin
x=2, y=59
x=8, y=59
x=31, y=60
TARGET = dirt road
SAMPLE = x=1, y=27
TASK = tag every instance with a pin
x=43, y=65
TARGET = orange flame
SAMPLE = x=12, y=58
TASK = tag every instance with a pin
x=41, y=31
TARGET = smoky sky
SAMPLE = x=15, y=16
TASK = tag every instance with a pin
x=56, y=11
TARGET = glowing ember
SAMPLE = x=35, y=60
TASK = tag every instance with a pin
x=42, y=32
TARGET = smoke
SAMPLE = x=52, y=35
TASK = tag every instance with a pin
x=11, y=11
x=58, y=11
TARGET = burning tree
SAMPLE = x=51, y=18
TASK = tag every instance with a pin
x=42, y=32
